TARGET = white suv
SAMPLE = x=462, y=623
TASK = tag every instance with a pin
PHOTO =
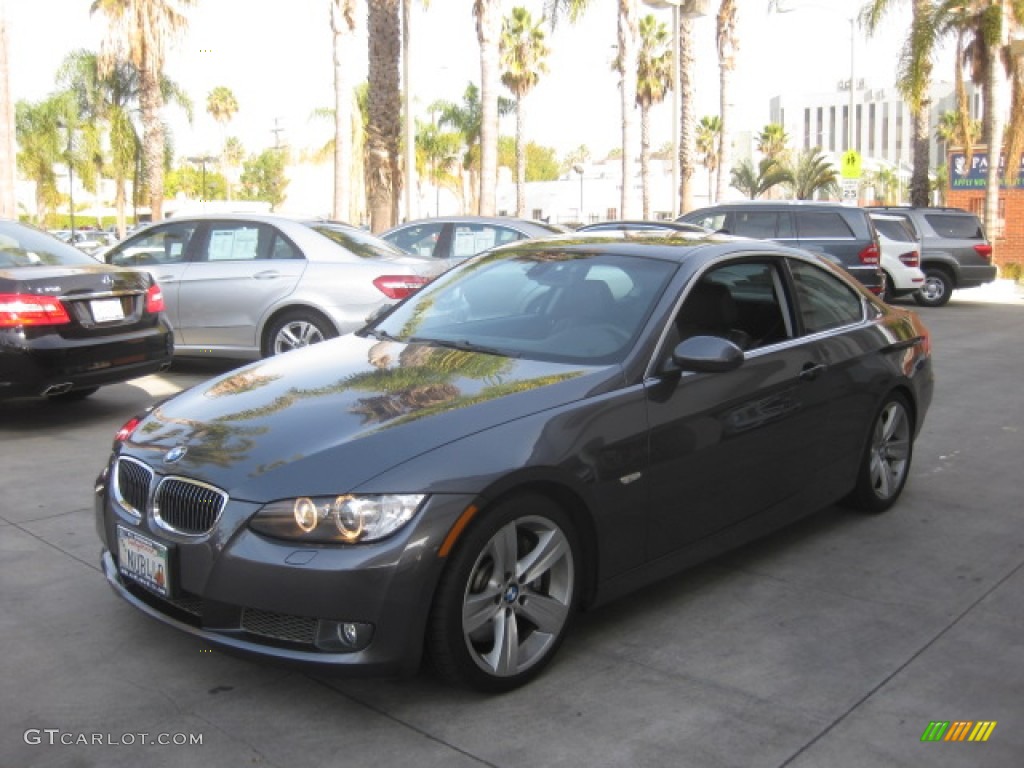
x=901, y=256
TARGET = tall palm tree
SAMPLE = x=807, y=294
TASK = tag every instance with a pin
x=140, y=31
x=384, y=25
x=773, y=141
x=523, y=53
x=728, y=45
x=488, y=33
x=914, y=79
x=653, y=82
x=627, y=31
x=42, y=134
x=708, y=144
x=221, y=104
x=437, y=158
x=687, y=114
x=343, y=29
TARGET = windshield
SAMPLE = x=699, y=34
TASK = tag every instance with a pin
x=23, y=246
x=538, y=304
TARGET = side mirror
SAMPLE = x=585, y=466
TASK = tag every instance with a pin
x=707, y=354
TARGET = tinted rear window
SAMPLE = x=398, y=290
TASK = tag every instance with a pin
x=955, y=227
x=22, y=246
x=826, y=224
x=356, y=241
x=894, y=230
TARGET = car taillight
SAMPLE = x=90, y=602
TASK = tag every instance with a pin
x=910, y=258
x=126, y=431
x=20, y=309
x=984, y=250
x=399, y=286
x=869, y=255
x=155, y=299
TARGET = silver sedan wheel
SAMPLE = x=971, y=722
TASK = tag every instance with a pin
x=296, y=334
x=890, y=450
x=518, y=596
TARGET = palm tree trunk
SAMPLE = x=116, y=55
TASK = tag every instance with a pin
x=343, y=25
x=628, y=33
x=488, y=31
x=152, y=102
x=520, y=160
x=920, y=185
x=687, y=116
x=8, y=154
x=995, y=122
x=384, y=30
x=645, y=159
x=727, y=47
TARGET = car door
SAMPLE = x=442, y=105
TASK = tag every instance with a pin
x=162, y=251
x=729, y=445
x=238, y=271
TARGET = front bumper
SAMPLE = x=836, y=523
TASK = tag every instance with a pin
x=253, y=596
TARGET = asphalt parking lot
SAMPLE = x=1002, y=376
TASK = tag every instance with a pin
x=833, y=643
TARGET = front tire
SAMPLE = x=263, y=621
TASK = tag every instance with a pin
x=937, y=288
x=296, y=329
x=886, y=461
x=506, y=598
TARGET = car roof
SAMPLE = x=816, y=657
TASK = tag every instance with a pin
x=506, y=221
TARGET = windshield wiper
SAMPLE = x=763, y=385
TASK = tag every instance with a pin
x=463, y=344
x=380, y=335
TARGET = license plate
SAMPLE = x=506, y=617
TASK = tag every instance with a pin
x=106, y=310
x=144, y=561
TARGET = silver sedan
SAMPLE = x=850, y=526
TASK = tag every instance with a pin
x=245, y=286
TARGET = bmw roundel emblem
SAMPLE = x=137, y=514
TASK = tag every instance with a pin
x=175, y=454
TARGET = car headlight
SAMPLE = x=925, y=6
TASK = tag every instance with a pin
x=346, y=519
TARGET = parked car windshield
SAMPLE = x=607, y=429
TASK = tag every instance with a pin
x=22, y=246
x=537, y=304
x=358, y=242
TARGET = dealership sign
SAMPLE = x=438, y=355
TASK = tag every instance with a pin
x=972, y=176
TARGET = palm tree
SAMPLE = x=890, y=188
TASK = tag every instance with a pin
x=813, y=173
x=42, y=145
x=343, y=29
x=232, y=157
x=687, y=115
x=709, y=137
x=755, y=182
x=523, y=53
x=383, y=138
x=887, y=185
x=221, y=104
x=773, y=141
x=627, y=32
x=950, y=131
x=728, y=45
x=914, y=77
x=140, y=31
x=653, y=81
x=437, y=157
x=488, y=33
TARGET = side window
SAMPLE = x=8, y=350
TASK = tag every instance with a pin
x=712, y=221
x=741, y=301
x=232, y=241
x=470, y=239
x=163, y=245
x=822, y=224
x=282, y=248
x=825, y=301
x=419, y=239
x=763, y=225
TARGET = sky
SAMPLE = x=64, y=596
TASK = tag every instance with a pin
x=275, y=56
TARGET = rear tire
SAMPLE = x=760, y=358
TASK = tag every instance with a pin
x=296, y=329
x=506, y=597
x=937, y=289
x=885, y=464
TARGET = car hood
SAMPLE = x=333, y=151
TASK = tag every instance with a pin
x=325, y=419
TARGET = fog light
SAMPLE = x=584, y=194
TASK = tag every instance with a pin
x=343, y=636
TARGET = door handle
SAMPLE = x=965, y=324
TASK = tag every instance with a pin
x=811, y=371
x=269, y=274
x=165, y=278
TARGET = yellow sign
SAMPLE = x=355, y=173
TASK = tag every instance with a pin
x=851, y=164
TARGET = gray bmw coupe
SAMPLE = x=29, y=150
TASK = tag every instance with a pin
x=547, y=426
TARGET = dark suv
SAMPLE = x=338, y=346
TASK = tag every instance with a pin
x=842, y=234
x=954, y=250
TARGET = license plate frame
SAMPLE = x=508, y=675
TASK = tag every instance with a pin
x=106, y=310
x=145, y=561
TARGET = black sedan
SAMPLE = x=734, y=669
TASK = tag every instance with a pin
x=69, y=324
x=539, y=430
